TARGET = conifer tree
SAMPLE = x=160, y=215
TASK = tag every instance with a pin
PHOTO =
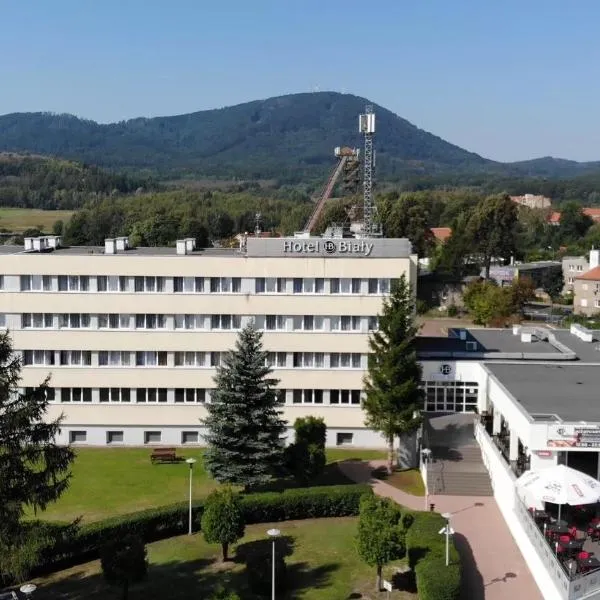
x=245, y=429
x=34, y=470
x=393, y=396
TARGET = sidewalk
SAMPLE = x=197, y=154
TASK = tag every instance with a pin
x=493, y=565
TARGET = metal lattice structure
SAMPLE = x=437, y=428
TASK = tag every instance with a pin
x=367, y=128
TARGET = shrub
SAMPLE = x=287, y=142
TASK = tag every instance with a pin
x=124, y=562
x=222, y=521
x=305, y=459
x=426, y=549
x=66, y=545
x=259, y=573
x=452, y=310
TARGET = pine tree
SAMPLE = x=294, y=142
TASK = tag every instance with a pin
x=393, y=396
x=34, y=471
x=245, y=429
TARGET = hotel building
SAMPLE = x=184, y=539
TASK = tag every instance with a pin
x=131, y=337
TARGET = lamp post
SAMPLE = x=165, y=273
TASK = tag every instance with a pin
x=426, y=457
x=447, y=531
x=190, y=461
x=28, y=589
x=273, y=534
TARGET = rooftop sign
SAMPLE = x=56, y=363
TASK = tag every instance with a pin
x=329, y=247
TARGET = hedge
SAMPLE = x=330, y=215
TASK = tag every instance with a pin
x=426, y=549
x=68, y=545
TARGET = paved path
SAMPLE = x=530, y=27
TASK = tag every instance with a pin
x=494, y=567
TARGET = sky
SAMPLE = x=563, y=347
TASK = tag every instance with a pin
x=510, y=80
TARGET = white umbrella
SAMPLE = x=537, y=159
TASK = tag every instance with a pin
x=560, y=485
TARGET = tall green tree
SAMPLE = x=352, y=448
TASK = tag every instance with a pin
x=381, y=536
x=222, y=520
x=34, y=470
x=245, y=428
x=123, y=561
x=454, y=254
x=393, y=396
x=488, y=303
x=574, y=224
x=493, y=229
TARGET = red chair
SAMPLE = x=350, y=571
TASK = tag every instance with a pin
x=583, y=555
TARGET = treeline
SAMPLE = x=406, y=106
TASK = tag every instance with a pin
x=53, y=184
x=159, y=219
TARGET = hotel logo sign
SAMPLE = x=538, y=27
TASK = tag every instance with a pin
x=349, y=247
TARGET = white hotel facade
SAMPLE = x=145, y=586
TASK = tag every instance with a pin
x=131, y=336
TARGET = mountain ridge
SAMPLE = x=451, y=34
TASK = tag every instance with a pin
x=288, y=137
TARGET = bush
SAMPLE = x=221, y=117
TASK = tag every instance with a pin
x=259, y=573
x=452, y=310
x=427, y=557
x=66, y=545
x=305, y=459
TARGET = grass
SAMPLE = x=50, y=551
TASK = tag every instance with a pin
x=407, y=480
x=20, y=219
x=111, y=481
x=322, y=564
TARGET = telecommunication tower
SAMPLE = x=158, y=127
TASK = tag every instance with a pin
x=367, y=128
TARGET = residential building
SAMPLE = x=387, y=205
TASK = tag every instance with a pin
x=441, y=234
x=532, y=201
x=593, y=213
x=132, y=336
x=506, y=274
x=572, y=267
x=586, y=288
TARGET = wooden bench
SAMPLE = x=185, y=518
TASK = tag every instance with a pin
x=164, y=455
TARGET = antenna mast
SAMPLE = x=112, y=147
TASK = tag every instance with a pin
x=367, y=127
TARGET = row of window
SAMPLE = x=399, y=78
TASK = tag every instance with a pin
x=450, y=396
x=117, y=436
x=191, y=395
x=193, y=322
x=200, y=285
x=153, y=358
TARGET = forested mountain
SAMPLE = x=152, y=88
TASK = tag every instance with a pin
x=290, y=138
x=41, y=182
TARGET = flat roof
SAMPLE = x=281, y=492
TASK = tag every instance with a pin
x=140, y=251
x=570, y=391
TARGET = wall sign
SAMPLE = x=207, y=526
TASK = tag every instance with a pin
x=360, y=247
x=446, y=369
x=574, y=437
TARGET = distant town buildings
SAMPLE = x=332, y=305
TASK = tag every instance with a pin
x=593, y=213
x=572, y=267
x=441, y=234
x=586, y=288
x=532, y=201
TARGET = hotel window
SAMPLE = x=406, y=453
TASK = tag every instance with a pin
x=2, y=320
x=346, y=323
x=225, y=322
x=190, y=359
x=298, y=285
x=275, y=322
x=260, y=285
x=31, y=283
x=189, y=437
x=188, y=284
x=344, y=397
x=319, y=285
x=270, y=285
x=112, y=283
x=114, y=358
x=73, y=283
x=1, y=282
x=115, y=394
x=215, y=359
x=190, y=395
x=356, y=284
x=77, y=437
x=225, y=285
x=334, y=286
x=379, y=286
x=150, y=321
x=75, y=358
x=38, y=357
x=74, y=321
x=36, y=320
x=149, y=284
x=373, y=323
x=151, y=395
x=75, y=394
x=276, y=359
x=345, y=286
x=152, y=437
x=344, y=439
x=150, y=358
x=307, y=396
x=114, y=321
x=190, y=322
x=114, y=437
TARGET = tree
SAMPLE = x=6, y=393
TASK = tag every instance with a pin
x=453, y=254
x=245, y=429
x=488, y=303
x=522, y=290
x=306, y=456
x=124, y=562
x=34, y=470
x=574, y=224
x=381, y=535
x=58, y=227
x=493, y=228
x=222, y=521
x=552, y=282
x=393, y=396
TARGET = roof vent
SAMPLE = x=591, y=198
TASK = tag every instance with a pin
x=190, y=244
x=121, y=244
x=462, y=333
x=35, y=244
x=110, y=246
x=583, y=333
x=53, y=241
x=181, y=247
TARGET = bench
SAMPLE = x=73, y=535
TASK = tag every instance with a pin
x=164, y=455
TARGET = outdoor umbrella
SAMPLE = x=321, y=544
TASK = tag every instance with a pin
x=560, y=485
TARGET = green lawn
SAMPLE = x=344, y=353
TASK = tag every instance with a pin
x=112, y=481
x=322, y=564
x=408, y=480
x=20, y=219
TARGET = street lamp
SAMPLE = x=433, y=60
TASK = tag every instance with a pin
x=273, y=534
x=28, y=589
x=190, y=461
x=447, y=531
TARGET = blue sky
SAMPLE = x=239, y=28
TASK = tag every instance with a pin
x=510, y=80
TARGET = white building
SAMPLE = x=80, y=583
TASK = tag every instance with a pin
x=131, y=336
